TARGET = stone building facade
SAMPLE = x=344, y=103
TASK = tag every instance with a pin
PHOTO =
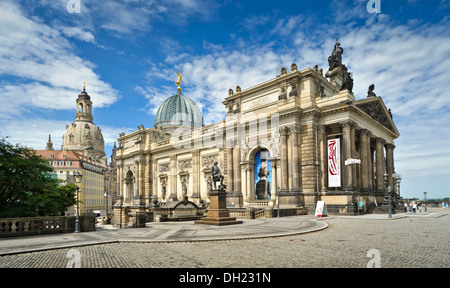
x=273, y=148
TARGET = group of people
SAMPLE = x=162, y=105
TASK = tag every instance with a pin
x=444, y=204
x=412, y=207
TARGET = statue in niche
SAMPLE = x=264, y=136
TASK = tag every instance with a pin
x=217, y=175
x=163, y=189
x=209, y=183
x=184, y=188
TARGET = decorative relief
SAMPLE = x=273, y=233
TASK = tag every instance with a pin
x=164, y=167
x=293, y=89
x=376, y=112
x=208, y=161
x=185, y=164
x=284, y=130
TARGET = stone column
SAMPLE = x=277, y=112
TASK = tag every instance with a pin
x=284, y=158
x=295, y=163
x=365, y=159
x=390, y=164
x=371, y=165
x=274, y=188
x=353, y=155
x=380, y=164
x=323, y=158
x=229, y=151
x=173, y=178
x=347, y=149
x=154, y=176
x=120, y=181
x=196, y=173
x=237, y=168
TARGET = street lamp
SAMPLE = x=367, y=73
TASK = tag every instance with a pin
x=399, y=179
x=77, y=177
x=106, y=205
x=278, y=202
x=425, y=194
x=388, y=190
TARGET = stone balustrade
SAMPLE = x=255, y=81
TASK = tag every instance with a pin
x=13, y=227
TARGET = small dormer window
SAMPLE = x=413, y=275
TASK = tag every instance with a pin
x=51, y=155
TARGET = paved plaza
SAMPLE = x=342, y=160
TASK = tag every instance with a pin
x=405, y=241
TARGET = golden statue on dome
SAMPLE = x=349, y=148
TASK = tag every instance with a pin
x=179, y=81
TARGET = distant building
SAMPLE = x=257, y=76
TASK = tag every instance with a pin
x=68, y=163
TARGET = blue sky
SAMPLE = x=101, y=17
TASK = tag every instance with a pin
x=128, y=53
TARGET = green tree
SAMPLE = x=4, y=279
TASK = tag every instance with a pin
x=26, y=187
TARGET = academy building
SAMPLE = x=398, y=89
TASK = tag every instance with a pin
x=286, y=143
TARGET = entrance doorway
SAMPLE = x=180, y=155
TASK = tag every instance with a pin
x=263, y=175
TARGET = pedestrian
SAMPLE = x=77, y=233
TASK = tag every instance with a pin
x=419, y=206
x=414, y=207
x=406, y=206
x=410, y=206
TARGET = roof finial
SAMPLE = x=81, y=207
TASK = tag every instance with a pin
x=180, y=76
x=84, y=86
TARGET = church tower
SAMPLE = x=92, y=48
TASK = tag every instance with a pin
x=83, y=136
x=84, y=107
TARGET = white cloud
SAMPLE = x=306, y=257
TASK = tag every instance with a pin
x=41, y=68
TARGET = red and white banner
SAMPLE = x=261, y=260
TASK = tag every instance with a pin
x=334, y=163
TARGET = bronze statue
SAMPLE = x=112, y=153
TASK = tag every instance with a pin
x=216, y=175
x=335, y=60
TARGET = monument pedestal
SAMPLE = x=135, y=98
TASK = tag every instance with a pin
x=217, y=212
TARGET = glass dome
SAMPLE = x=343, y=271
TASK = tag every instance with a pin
x=178, y=110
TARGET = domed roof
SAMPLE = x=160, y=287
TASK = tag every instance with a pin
x=82, y=134
x=178, y=110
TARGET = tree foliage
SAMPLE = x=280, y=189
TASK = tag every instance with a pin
x=26, y=186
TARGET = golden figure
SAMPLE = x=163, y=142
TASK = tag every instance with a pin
x=179, y=80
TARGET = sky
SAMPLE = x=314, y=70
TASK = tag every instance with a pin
x=128, y=52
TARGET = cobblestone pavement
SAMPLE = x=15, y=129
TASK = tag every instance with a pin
x=348, y=242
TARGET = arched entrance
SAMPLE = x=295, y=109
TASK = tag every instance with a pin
x=263, y=175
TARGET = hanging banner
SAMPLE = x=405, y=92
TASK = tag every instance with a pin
x=334, y=163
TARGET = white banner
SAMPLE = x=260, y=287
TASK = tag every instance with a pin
x=334, y=163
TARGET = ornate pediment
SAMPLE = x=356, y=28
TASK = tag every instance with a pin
x=378, y=112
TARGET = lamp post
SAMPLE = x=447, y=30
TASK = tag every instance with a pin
x=425, y=195
x=388, y=190
x=106, y=206
x=399, y=179
x=278, y=202
x=77, y=177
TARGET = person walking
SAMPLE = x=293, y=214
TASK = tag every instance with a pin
x=419, y=206
x=414, y=207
